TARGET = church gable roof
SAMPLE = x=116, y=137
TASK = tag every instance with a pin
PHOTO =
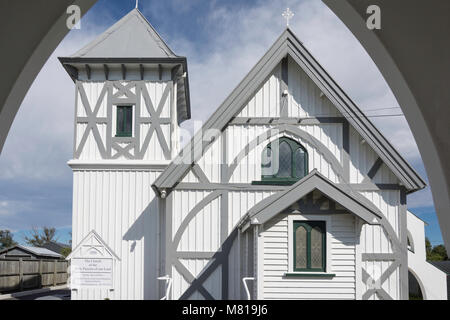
x=350, y=200
x=131, y=37
x=288, y=44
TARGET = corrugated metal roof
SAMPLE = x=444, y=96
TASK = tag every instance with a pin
x=34, y=250
x=131, y=37
x=41, y=251
x=442, y=265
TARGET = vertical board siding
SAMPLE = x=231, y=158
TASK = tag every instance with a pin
x=190, y=178
x=266, y=101
x=362, y=158
x=155, y=92
x=195, y=266
x=304, y=96
x=239, y=203
x=214, y=284
x=276, y=263
x=203, y=231
x=179, y=284
x=211, y=160
x=234, y=271
x=154, y=150
x=121, y=207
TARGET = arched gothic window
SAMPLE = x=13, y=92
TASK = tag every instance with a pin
x=283, y=161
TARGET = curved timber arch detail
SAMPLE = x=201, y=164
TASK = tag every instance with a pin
x=298, y=133
x=184, y=224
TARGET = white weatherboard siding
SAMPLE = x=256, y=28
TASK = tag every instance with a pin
x=122, y=208
x=341, y=231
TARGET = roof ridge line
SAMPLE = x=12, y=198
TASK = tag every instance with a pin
x=159, y=38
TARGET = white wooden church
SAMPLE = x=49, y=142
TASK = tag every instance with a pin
x=287, y=192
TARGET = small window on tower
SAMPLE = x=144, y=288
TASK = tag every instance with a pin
x=124, y=121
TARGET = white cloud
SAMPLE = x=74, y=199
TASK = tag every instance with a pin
x=41, y=138
x=4, y=208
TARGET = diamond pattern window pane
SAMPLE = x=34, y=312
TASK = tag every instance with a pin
x=316, y=248
x=299, y=160
x=285, y=162
x=300, y=248
x=266, y=162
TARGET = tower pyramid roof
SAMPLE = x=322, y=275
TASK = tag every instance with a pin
x=131, y=37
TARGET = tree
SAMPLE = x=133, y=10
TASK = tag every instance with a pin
x=436, y=253
x=66, y=251
x=39, y=237
x=440, y=251
x=428, y=246
x=6, y=239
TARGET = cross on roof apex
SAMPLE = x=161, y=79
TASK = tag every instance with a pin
x=287, y=14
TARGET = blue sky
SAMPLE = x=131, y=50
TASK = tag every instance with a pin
x=222, y=41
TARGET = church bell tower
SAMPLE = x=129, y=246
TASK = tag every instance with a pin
x=132, y=92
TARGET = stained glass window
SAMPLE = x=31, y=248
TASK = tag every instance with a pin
x=300, y=163
x=300, y=247
x=309, y=246
x=283, y=161
x=285, y=164
x=316, y=248
x=266, y=162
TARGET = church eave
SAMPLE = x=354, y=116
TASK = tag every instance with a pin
x=353, y=201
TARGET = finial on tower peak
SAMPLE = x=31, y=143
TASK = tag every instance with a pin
x=137, y=4
x=287, y=14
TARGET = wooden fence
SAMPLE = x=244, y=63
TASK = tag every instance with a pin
x=26, y=274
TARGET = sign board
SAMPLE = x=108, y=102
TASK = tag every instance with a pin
x=92, y=264
x=92, y=273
